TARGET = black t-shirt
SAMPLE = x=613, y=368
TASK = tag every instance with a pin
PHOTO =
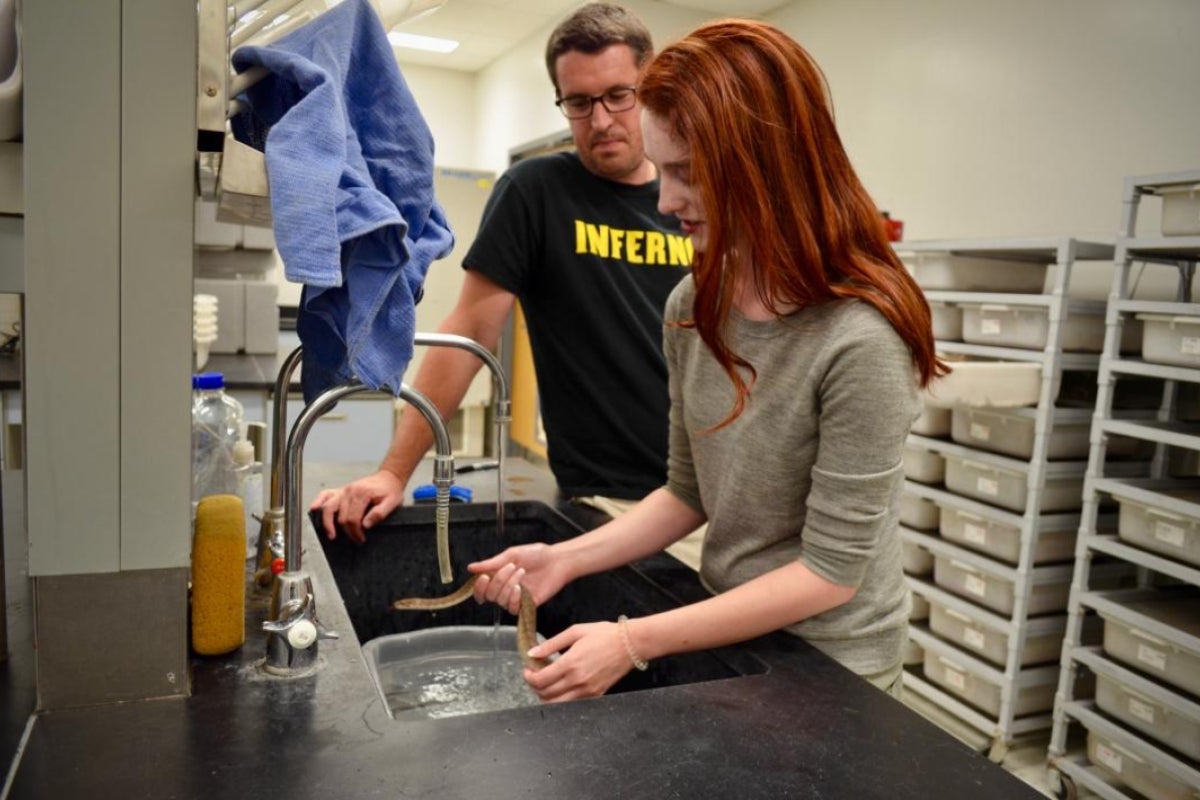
x=592, y=263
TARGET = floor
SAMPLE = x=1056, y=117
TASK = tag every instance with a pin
x=1028, y=762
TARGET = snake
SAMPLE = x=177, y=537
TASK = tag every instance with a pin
x=526, y=617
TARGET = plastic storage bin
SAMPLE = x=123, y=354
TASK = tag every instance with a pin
x=913, y=653
x=1011, y=431
x=918, y=513
x=998, y=593
x=1043, y=635
x=1029, y=327
x=916, y=560
x=947, y=322
x=920, y=608
x=933, y=422
x=1056, y=541
x=1168, y=661
x=1159, y=530
x=1035, y=696
x=1050, y=589
x=1171, y=340
x=1166, y=723
x=923, y=465
x=1180, y=210
x=1007, y=488
x=933, y=271
x=997, y=384
x=1134, y=771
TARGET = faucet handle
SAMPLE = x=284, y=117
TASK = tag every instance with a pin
x=298, y=623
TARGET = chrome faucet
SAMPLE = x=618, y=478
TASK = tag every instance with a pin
x=271, y=530
x=293, y=629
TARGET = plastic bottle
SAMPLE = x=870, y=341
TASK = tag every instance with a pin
x=249, y=487
x=216, y=425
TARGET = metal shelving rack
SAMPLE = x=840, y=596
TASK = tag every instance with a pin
x=1069, y=769
x=1000, y=730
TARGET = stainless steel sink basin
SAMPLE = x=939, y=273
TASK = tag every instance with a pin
x=399, y=560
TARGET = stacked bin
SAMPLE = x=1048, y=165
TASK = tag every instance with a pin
x=1138, y=724
x=994, y=477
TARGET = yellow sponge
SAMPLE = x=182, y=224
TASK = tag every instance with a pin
x=218, y=575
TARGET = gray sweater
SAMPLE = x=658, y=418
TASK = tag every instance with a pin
x=811, y=470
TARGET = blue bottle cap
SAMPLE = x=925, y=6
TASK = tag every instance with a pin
x=208, y=380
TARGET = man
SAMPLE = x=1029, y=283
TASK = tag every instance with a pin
x=578, y=238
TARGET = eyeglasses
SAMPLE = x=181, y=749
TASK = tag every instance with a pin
x=579, y=106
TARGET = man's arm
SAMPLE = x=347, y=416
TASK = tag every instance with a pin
x=444, y=378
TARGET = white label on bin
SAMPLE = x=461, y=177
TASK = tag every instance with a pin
x=975, y=534
x=1152, y=657
x=1107, y=757
x=956, y=679
x=1143, y=711
x=980, y=432
x=988, y=486
x=1167, y=533
x=989, y=327
x=1190, y=345
x=973, y=638
x=975, y=585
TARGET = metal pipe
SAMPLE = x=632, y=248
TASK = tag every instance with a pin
x=279, y=424
x=443, y=467
x=271, y=528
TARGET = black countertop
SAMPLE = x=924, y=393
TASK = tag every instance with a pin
x=807, y=728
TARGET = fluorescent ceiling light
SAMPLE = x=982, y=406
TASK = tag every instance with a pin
x=415, y=42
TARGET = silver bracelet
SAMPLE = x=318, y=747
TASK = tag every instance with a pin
x=623, y=624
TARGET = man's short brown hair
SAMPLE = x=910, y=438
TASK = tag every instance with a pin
x=594, y=27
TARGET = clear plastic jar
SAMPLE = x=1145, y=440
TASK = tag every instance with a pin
x=216, y=423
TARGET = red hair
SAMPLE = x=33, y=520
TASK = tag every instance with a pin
x=777, y=188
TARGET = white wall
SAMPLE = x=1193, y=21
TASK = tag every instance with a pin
x=973, y=118
x=446, y=98
x=965, y=118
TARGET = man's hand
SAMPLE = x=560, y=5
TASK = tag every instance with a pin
x=358, y=506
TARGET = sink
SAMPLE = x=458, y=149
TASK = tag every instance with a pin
x=399, y=559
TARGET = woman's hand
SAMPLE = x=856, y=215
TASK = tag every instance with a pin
x=537, y=567
x=595, y=659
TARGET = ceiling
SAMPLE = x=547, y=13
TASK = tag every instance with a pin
x=486, y=29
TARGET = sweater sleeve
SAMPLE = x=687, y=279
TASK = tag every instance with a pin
x=868, y=401
x=681, y=470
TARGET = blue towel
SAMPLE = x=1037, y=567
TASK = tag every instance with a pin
x=350, y=168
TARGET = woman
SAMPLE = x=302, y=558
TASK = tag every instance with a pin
x=796, y=350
